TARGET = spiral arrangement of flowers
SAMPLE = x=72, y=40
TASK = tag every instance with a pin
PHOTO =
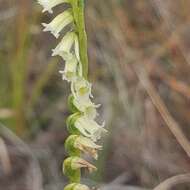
x=84, y=130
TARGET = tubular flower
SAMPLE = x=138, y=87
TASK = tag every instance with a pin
x=84, y=130
x=59, y=23
x=85, y=106
x=71, y=69
x=64, y=48
x=81, y=89
x=86, y=126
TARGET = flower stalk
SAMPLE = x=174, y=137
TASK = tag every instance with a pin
x=82, y=39
x=84, y=130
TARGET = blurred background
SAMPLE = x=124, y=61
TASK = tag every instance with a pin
x=140, y=70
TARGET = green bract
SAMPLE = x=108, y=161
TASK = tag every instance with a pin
x=71, y=105
x=72, y=166
x=71, y=120
x=70, y=145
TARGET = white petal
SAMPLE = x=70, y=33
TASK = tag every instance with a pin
x=90, y=128
x=58, y=23
x=70, y=71
x=64, y=47
x=49, y=4
x=77, y=48
x=86, y=106
x=81, y=88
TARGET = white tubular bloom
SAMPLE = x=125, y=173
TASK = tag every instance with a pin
x=70, y=72
x=59, y=23
x=81, y=89
x=49, y=4
x=89, y=128
x=64, y=48
x=86, y=106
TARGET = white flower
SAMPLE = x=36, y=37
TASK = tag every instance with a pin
x=70, y=71
x=58, y=23
x=86, y=106
x=49, y=4
x=64, y=47
x=89, y=128
x=81, y=88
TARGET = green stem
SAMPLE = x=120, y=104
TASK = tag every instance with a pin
x=78, y=12
x=83, y=39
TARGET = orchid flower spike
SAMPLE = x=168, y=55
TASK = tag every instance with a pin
x=85, y=131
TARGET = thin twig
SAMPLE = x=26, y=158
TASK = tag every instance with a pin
x=4, y=157
x=35, y=176
x=171, y=182
x=158, y=102
x=169, y=26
